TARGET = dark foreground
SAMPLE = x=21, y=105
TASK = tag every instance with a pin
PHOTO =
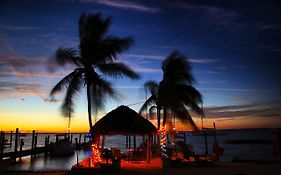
x=225, y=168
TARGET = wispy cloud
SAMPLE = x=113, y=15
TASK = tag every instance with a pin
x=161, y=58
x=257, y=109
x=264, y=26
x=20, y=28
x=124, y=5
x=146, y=70
x=217, y=14
x=20, y=90
x=240, y=90
x=203, y=61
x=28, y=74
x=150, y=57
x=127, y=87
x=207, y=72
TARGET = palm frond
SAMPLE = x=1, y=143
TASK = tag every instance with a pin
x=75, y=84
x=150, y=101
x=182, y=114
x=65, y=81
x=111, y=46
x=177, y=68
x=117, y=70
x=92, y=27
x=100, y=90
x=152, y=87
x=191, y=97
x=67, y=56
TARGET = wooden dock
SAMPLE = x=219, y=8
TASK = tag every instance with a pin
x=34, y=150
x=23, y=153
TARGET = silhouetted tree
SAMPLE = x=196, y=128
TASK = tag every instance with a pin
x=96, y=55
x=175, y=91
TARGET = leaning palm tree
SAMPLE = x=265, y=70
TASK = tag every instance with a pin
x=153, y=102
x=175, y=91
x=96, y=55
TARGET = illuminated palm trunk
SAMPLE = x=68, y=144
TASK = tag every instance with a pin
x=163, y=143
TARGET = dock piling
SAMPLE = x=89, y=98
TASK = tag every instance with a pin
x=16, y=143
x=32, y=144
x=21, y=145
x=2, y=143
x=80, y=139
x=11, y=138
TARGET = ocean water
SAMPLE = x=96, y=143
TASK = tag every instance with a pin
x=243, y=151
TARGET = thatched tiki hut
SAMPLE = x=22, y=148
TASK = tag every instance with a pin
x=125, y=121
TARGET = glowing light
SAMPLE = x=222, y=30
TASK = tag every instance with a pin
x=96, y=154
x=163, y=143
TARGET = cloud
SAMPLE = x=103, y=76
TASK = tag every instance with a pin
x=28, y=74
x=240, y=90
x=263, y=27
x=203, y=61
x=257, y=109
x=150, y=57
x=20, y=90
x=207, y=72
x=18, y=61
x=161, y=58
x=216, y=14
x=146, y=70
x=127, y=87
x=19, y=28
x=124, y=5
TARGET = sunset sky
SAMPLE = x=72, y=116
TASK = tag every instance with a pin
x=234, y=48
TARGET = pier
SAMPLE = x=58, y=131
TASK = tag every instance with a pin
x=16, y=145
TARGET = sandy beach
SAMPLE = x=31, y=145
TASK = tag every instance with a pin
x=222, y=168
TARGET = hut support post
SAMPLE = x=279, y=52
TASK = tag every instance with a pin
x=102, y=142
x=129, y=141
x=126, y=142
x=148, y=150
x=135, y=142
x=206, y=143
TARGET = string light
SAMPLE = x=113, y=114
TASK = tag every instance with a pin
x=163, y=143
x=96, y=154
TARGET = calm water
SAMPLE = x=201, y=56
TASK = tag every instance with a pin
x=243, y=151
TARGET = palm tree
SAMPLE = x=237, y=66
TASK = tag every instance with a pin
x=96, y=55
x=153, y=101
x=175, y=91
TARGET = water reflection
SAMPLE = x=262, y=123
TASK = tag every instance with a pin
x=42, y=162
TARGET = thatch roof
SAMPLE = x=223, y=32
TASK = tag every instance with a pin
x=124, y=121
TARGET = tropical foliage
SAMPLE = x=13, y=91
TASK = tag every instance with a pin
x=175, y=91
x=94, y=58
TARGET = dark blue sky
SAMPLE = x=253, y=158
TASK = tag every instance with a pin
x=234, y=46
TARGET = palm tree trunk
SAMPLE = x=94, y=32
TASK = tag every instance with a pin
x=89, y=106
x=158, y=118
x=164, y=115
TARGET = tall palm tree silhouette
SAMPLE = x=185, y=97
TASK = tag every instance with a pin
x=175, y=91
x=96, y=55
